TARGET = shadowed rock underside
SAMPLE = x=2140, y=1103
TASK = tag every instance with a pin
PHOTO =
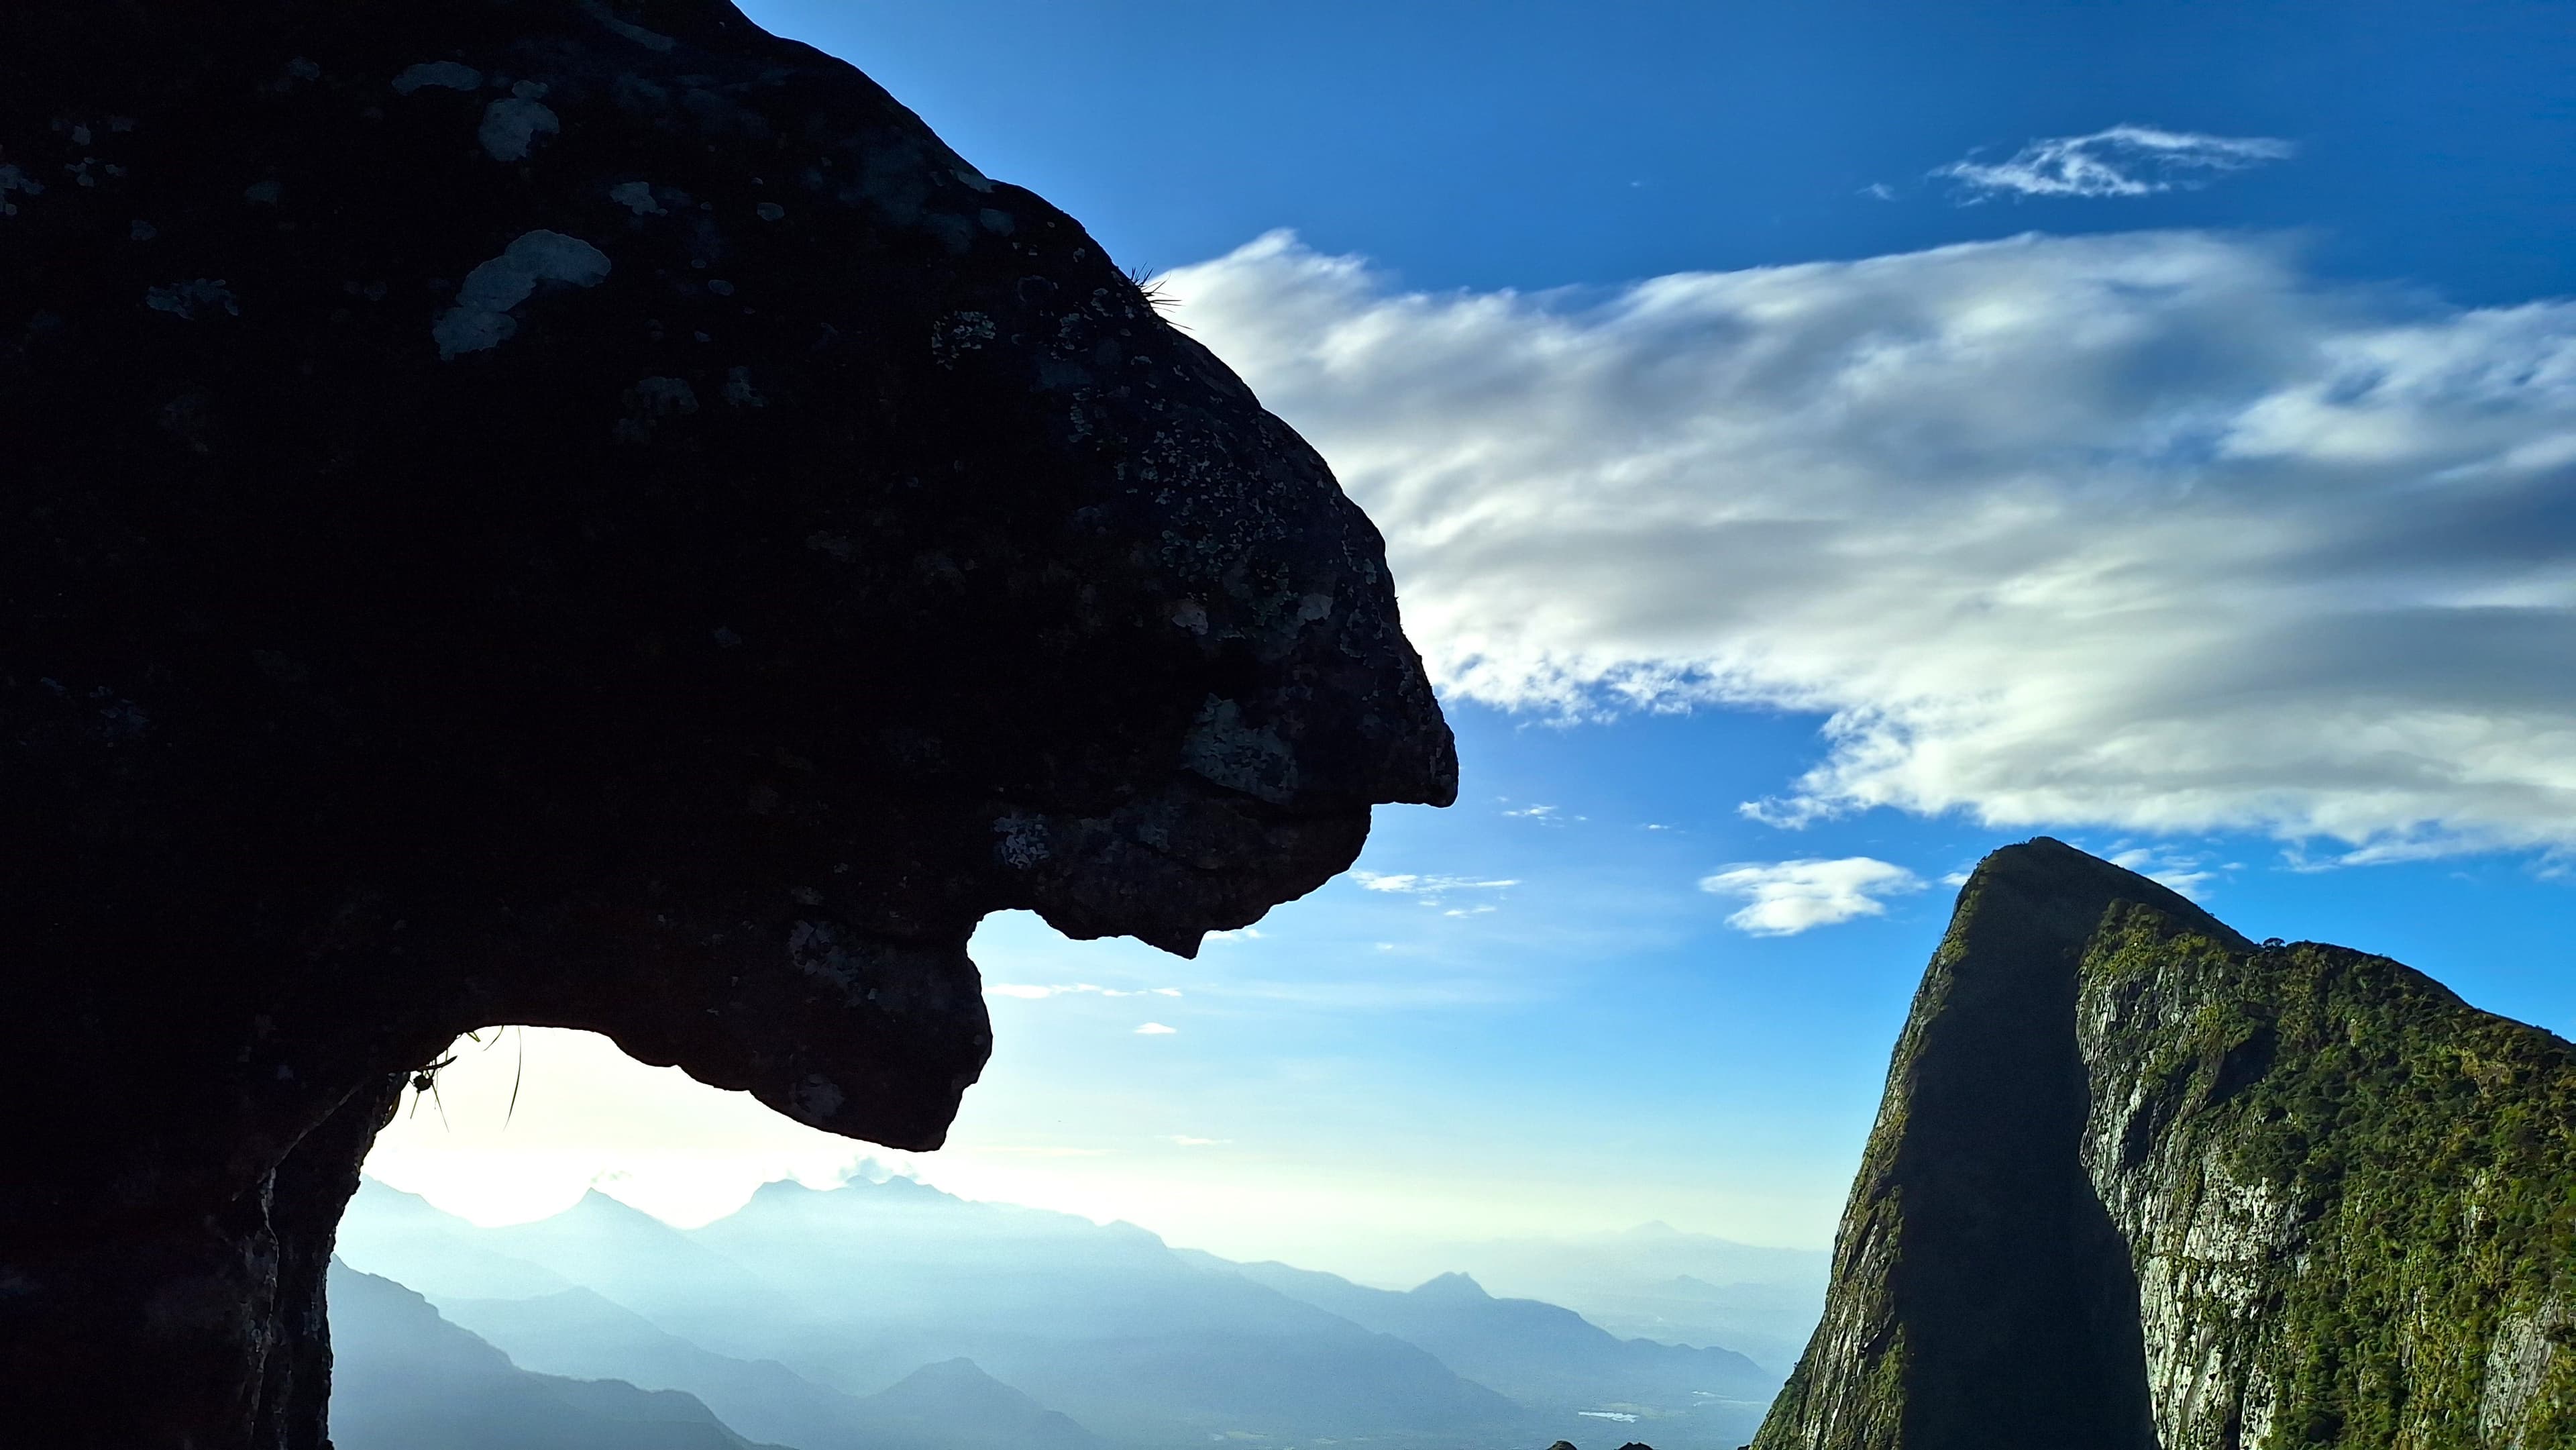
x=2140, y=1182
x=581, y=514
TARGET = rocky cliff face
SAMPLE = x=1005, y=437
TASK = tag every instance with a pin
x=2140, y=1182
x=575, y=512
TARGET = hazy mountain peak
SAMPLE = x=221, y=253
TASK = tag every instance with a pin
x=383, y=1197
x=594, y=1205
x=779, y=1190
x=1452, y=1286
x=945, y=1381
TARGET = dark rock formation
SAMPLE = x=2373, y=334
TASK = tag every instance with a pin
x=575, y=513
x=2140, y=1182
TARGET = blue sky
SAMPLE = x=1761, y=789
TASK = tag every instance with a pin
x=1817, y=444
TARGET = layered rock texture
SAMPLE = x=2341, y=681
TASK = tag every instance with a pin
x=2141, y=1182
x=576, y=513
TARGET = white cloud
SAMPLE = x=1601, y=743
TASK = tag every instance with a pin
x=2148, y=531
x=1186, y=1141
x=1429, y=888
x=1035, y=992
x=1244, y=933
x=2122, y=161
x=1879, y=191
x=1535, y=813
x=2188, y=873
x=1155, y=1029
x=1784, y=898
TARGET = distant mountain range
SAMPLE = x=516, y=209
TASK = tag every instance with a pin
x=1657, y=1282
x=403, y=1378
x=890, y=1316
x=952, y=1405
x=1539, y=1353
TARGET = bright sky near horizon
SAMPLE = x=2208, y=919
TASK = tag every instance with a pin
x=1816, y=444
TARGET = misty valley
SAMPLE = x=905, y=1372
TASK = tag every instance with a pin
x=887, y=1315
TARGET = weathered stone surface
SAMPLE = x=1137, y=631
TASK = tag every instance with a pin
x=2138, y=1181
x=586, y=514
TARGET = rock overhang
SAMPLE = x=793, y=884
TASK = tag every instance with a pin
x=590, y=514
x=626, y=411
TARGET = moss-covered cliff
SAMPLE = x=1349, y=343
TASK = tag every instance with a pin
x=2138, y=1181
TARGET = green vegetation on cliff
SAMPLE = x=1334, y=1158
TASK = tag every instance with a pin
x=2141, y=1182
x=2425, y=1153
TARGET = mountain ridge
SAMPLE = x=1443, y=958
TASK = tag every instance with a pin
x=1091, y=1321
x=403, y=1373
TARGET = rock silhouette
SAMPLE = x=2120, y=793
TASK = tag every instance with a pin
x=581, y=514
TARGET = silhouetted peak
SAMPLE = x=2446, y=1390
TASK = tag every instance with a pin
x=949, y=1386
x=781, y=1190
x=1453, y=1286
x=595, y=1209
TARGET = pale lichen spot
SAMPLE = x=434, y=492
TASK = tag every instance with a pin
x=13, y=179
x=512, y=125
x=637, y=197
x=187, y=300
x=1230, y=751
x=1022, y=840
x=818, y=1097
x=445, y=74
x=481, y=317
x=957, y=334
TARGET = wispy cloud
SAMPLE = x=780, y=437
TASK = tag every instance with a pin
x=2187, y=872
x=1534, y=813
x=1184, y=1140
x=1784, y=898
x=1034, y=992
x=2152, y=532
x=1155, y=1029
x=1429, y=889
x=1879, y=191
x=2122, y=161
